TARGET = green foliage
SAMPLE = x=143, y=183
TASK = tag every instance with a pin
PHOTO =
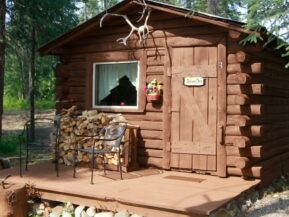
x=9, y=145
x=272, y=14
x=15, y=104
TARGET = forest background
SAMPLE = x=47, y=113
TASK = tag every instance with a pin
x=25, y=25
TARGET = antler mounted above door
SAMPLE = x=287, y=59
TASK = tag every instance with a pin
x=142, y=30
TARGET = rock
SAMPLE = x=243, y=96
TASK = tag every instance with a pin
x=55, y=214
x=78, y=210
x=66, y=214
x=91, y=211
x=104, y=214
x=123, y=213
x=136, y=215
x=69, y=207
x=84, y=214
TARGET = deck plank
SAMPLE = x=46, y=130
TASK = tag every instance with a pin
x=151, y=195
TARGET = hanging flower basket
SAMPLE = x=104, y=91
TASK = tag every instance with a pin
x=154, y=91
x=153, y=97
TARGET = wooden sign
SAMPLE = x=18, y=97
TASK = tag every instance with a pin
x=194, y=81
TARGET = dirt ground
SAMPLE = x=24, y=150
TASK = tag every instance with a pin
x=13, y=122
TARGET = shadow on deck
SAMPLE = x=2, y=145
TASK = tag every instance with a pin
x=148, y=192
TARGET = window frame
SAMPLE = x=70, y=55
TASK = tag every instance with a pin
x=116, y=107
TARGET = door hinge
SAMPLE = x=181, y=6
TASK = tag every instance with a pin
x=221, y=65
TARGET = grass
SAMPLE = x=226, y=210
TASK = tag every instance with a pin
x=9, y=145
x=14, y=104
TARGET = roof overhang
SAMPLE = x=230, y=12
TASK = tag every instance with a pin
x=54, y=46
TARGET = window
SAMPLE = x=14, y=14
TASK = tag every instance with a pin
x=115, y=85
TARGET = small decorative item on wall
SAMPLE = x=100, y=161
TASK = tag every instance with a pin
x=154, y=91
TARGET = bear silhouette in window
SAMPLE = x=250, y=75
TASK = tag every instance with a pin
x=123, y=94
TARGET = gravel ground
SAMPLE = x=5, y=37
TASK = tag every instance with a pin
x=272, y=201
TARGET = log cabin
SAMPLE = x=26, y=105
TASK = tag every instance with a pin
x=224, y=106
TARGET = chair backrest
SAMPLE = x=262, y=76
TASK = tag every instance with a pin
x=43, y=127
x=114, y=133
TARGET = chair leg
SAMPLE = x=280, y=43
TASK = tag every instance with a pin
x=103, y=161
x=120, y=166
x=20, y=158
x=27, y=156
x=74, y=165
x=92, y=169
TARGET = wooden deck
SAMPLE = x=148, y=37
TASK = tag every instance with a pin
x=165, y=193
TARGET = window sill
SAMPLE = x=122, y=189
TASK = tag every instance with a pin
x=120, y=110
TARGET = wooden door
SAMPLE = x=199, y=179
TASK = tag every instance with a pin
x=194, y=109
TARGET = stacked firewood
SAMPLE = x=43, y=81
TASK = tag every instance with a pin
x=78, y=131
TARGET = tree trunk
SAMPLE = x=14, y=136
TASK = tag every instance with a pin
x=32, y=83
x=212, y=6
x=2, y=57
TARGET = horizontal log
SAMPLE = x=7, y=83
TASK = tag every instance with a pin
x=245, y=89
x=234, y=35
x=197, y=40
x=150, y=153
x=243, y=57
x=150, y=161
x=155, y=60
x=155, y=53
x=155, y=69
x=239, y=162
x=245, y=120
x=238, y=120
x=239, y=78
x=238, y=141
x=148, y=125
x=254, y=68
x=253, y=172
x=250, y=152
x=149, y=78
x=151, y=144
x=148, y=116
x=149, y=134
x=234, y=46
x=238, y=99
x=244, y=99
x=255, y=131
x=246, y=110
x=154, y=107
x=76, y=90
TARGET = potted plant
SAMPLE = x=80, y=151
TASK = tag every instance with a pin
x=154, y=90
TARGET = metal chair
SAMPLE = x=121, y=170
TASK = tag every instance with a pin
x=111, y=137
x=40, y=141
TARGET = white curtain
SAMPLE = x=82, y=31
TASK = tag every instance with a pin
x=107, y=76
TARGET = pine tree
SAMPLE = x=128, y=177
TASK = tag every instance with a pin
x=2, y=56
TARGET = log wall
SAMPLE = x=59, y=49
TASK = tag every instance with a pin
x=257, y=132
x=74, y=73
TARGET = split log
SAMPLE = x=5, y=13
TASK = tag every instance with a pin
x=13, y=201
